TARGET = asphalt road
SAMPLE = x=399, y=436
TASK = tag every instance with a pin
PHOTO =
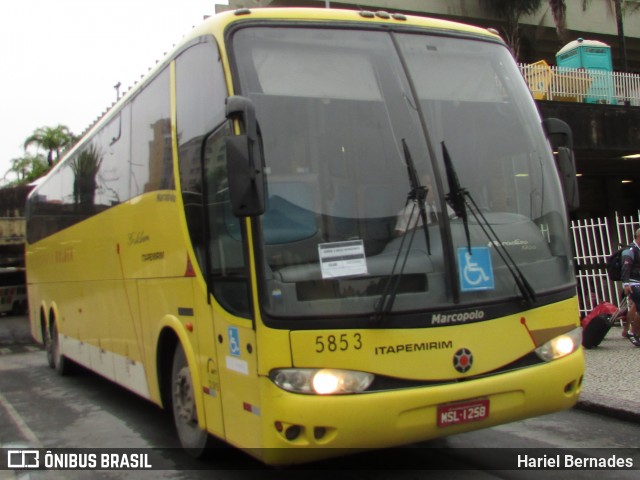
x=40, y=409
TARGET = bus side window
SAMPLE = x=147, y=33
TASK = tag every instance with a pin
x=202, y=127
x=225, y=248
x=151, y=161
x=200, y=94
x=114, y=143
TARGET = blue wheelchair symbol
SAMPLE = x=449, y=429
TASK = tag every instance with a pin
x=234, y=341
x=475, y=269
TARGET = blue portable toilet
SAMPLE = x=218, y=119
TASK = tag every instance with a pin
x=595, y=56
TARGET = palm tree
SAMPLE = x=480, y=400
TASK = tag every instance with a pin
x=27, y=169
x=52, y=139
x=619, y=9
x=20, y=166
x=512, y=10
x=559, y=13
x=38, y=168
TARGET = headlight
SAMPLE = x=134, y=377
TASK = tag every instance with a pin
x=321, y=381
x=560, y=346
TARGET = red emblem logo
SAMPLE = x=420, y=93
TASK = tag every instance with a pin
x=462, y=360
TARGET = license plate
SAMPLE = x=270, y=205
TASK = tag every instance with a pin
x=463, y=412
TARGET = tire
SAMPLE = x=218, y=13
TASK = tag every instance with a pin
x=55, y=358
x=185, y=416
x=48, y=347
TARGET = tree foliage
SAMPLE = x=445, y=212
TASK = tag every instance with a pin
x=52, y=139
x=85, y=168
x=26, y=169
x=511, y=11
x=559, y=13
x=31, y=166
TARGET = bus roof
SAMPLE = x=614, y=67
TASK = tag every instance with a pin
x=339, y=15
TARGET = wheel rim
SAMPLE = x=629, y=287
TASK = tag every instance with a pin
x=183, y=398
x=185, y=415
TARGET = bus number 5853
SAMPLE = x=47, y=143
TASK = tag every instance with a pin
x=342, y=342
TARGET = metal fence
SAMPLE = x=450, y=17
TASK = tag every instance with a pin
x=563, y=84
x=594, y=241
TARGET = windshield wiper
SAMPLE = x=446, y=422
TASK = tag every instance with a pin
x=456, y=195
x=417, y=195
x=460, y=200
x=418, y=192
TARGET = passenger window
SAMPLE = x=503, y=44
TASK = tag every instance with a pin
x=151, y=161
x=225, y=247
x=202, y=129
x=114, y=144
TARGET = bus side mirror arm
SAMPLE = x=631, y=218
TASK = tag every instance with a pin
x=561, y=139
x=245, y=160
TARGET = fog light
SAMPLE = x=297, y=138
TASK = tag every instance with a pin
x=292, y=432
x=319, y=432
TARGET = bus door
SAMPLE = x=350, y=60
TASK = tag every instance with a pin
x=222, y=252
x=238, y=373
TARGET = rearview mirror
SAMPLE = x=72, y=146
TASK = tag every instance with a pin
x=567, y=170
x=245, y=160
x=561, y=140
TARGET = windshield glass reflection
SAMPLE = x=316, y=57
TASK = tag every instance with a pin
x=334, y=107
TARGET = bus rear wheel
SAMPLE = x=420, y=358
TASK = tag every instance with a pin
x=185, y=416
x=55, y=358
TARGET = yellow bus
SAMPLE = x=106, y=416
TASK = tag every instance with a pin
x=310, y=230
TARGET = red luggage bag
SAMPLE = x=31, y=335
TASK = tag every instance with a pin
x=596, y=324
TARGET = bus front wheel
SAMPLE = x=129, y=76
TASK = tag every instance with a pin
x=185, y=416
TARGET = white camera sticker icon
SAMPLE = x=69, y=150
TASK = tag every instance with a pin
x=23, y=459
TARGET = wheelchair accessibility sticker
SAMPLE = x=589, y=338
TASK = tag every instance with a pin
x=475, y=269
x=234, y=341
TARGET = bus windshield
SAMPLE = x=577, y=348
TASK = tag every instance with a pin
x=339, y=111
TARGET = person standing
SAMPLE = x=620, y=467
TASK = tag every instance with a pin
x=630, y=274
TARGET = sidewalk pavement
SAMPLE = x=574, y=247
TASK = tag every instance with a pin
x=609, y=385
x=606, y=388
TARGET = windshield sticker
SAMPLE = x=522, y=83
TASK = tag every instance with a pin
x=475, y=269
x=342, y=259
x=523, y=244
